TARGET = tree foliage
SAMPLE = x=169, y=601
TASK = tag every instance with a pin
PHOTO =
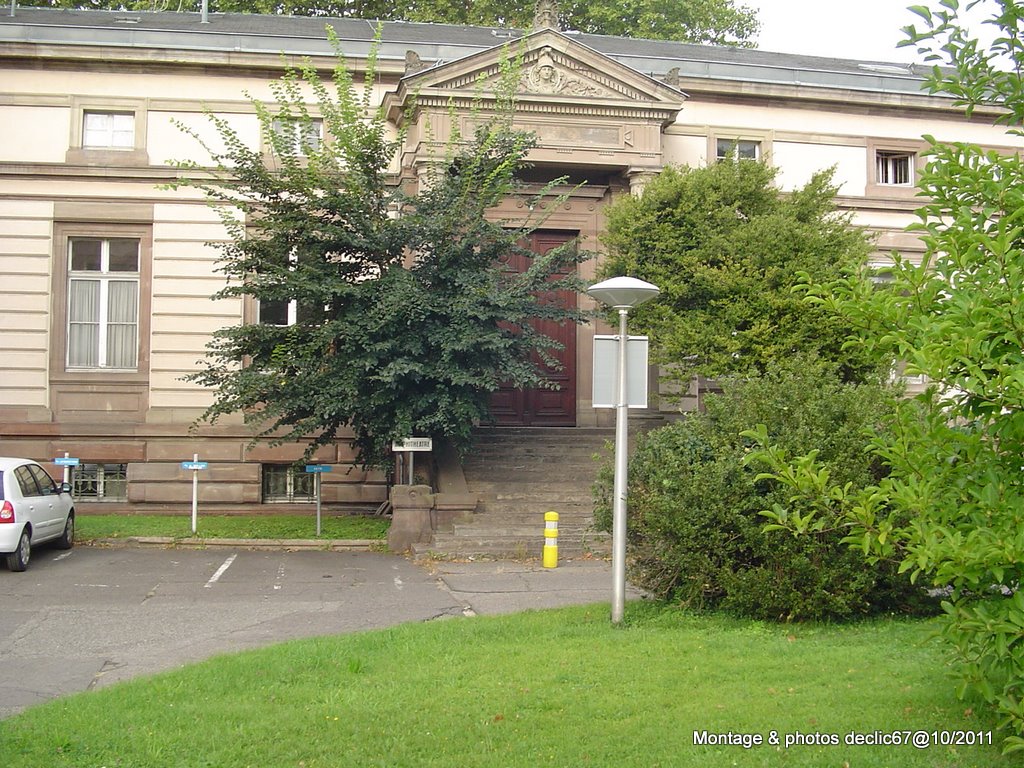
x=715, y=22
x=952, y=506
x=726, y=250
x=405, y=318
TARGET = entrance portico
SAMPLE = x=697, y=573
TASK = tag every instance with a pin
x=599, y=124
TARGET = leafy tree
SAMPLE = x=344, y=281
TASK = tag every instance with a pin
x=951, y=509
x=726, y=250
x=405, y=319
x=716, y=22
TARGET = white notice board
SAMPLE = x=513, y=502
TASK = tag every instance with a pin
x=606, y=370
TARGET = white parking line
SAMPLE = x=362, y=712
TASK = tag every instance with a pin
x=61, y=557
x=220, y=572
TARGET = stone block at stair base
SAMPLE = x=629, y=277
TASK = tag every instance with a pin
x=411, y=516
x=452, y=507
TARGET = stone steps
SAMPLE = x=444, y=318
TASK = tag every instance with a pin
x=512, y=546
x=494, y=497
x=519, y=474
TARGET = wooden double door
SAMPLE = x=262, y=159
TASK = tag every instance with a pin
x=540, y=407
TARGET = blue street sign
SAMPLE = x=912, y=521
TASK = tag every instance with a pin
x=194, y=465
x=66, y=462
x=315, y=468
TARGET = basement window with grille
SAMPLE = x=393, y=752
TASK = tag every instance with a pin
x=100, y=482
x=283, y=483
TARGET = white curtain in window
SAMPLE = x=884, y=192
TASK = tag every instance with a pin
x=84, y=323
x=122, y=324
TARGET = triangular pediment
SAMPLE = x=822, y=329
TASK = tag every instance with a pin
x=553, y=69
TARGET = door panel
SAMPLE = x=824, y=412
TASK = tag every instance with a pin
x=537, y=406
x=50, y=506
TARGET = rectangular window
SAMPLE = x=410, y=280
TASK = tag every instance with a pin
x=281, y=312
x=103, y=303
x=286, y=483
x=736, y=149
x=277, y=312
x=299, y=138
x=289, y=311
x=894, y=168
x=100, y=482
x=108, y=130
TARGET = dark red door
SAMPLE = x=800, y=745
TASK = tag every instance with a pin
x=544, y=407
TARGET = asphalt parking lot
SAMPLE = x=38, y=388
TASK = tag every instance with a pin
x=90, y=616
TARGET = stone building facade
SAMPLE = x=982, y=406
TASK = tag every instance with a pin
x=109, y=274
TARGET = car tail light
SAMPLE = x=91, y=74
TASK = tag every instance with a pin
x=7, y=513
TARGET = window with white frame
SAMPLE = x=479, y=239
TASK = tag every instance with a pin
x=277, y=312
x=286, y=483
x=737, y=149
x=108, y=130
x=288, y=311
x=894, y=168
x=298, y=137
x=103, y=303
x=285, y=312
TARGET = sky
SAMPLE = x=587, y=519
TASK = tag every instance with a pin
x=844, y=29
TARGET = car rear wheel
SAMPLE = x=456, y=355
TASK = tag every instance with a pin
x=67, y=539
x=18, y=559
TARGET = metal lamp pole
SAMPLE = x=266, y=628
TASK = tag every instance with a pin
x=621, y=467
x=621, y=293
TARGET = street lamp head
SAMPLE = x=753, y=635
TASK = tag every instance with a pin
x=623, y=292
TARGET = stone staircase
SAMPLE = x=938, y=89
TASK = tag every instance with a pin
x=518, y=475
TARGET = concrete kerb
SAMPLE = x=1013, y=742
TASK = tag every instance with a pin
x=170, y=542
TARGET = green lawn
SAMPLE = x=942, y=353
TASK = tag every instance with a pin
x=554, y=688
x=91, y=527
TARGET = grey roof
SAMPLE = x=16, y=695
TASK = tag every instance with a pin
x=304, y=35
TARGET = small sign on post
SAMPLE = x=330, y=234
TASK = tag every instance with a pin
x=606, y=371
x=317, y=471
x=410, y=445
x=413, y=444
x=67, y=461
x=196, y=466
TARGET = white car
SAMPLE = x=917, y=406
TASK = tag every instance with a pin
x=33, y=509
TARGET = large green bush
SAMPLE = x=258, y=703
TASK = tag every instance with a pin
x=696, y=535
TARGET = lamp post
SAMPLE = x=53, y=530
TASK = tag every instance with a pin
x=622, y=294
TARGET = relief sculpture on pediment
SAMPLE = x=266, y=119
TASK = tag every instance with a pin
x=546, y=77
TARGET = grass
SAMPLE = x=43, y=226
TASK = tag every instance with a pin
x=92, y=527
x=552, y=688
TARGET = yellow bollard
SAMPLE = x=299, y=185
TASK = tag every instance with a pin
x=550, y=539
